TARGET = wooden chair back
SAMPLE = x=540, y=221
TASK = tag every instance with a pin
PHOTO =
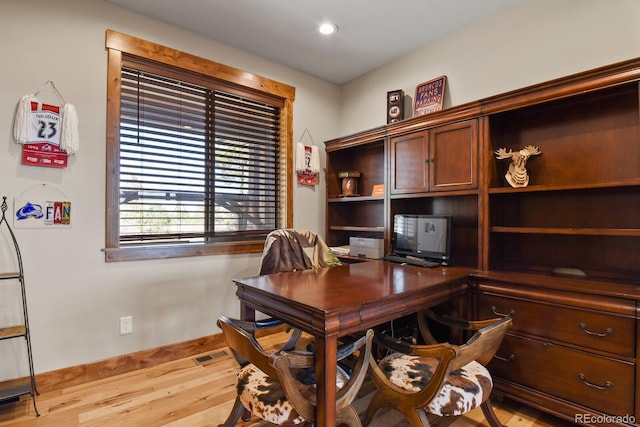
x=244, y=346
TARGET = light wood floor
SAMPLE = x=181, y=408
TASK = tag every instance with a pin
x=191, y=393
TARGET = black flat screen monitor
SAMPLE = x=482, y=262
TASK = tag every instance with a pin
x=424, y=236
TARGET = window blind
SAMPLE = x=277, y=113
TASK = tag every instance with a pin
x=197, y=163
x=245, y=164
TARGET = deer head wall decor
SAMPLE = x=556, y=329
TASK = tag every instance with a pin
x=517, y=175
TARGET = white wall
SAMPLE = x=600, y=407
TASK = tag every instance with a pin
x=76, y=299
x=532, y=42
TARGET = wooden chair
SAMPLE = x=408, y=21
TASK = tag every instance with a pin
x=437, y=378
x=280, y=387
x=287, y=250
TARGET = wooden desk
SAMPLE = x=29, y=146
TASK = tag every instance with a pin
x=336, y=301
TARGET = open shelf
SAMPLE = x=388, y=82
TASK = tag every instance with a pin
x=379, y=229
x=472, y=192
x=12, y=332
x=589, y=139
x=354, y=199
x=568, y=187
x=15, y=391
x=575, y=231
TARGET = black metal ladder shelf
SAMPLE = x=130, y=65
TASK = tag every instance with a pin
x=11, y=391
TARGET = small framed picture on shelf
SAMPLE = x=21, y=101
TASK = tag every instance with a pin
x=429, y=96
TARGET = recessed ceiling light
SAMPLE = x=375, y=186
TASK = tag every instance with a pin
x=327, y=28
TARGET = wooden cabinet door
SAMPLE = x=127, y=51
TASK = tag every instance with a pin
x=453, y=156
x=408, y=164
x=444, y=158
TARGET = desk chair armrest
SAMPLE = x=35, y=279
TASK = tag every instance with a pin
x=398, y=345
x=270, y=322
x=392, y=343
x=252, y=327
x=305, y=359
x=455, y=322
x=449, y=321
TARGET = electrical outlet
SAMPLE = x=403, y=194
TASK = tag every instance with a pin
x=126, y=325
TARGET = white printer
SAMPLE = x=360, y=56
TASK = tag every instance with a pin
x=366, y=247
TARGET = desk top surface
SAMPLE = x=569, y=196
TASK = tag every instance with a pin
x=363, y=293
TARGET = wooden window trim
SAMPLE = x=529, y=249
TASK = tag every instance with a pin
x=119, y=45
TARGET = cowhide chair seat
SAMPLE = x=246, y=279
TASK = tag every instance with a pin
x=464, y=389
x=265, y=398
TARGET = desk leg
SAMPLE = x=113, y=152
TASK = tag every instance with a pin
x=247, y=313
x=326, y=362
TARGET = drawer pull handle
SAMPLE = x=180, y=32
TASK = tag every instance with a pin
x=606, y=385
x=511, y=313
x=509, y=358
x=607, y=331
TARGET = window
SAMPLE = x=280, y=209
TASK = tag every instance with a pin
x=199, y=154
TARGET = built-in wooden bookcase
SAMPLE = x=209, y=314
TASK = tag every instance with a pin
x=579, y=212
x=561, y=255
x=362, y=215
x=430, y=171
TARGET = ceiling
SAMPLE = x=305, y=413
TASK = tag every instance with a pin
x=370, y=33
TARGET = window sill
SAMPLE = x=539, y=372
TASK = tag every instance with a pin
x=138, y=253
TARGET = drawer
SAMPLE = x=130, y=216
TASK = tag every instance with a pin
x=601, y=383
x=587, y=328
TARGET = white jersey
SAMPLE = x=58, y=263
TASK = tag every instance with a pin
x=44, y=124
